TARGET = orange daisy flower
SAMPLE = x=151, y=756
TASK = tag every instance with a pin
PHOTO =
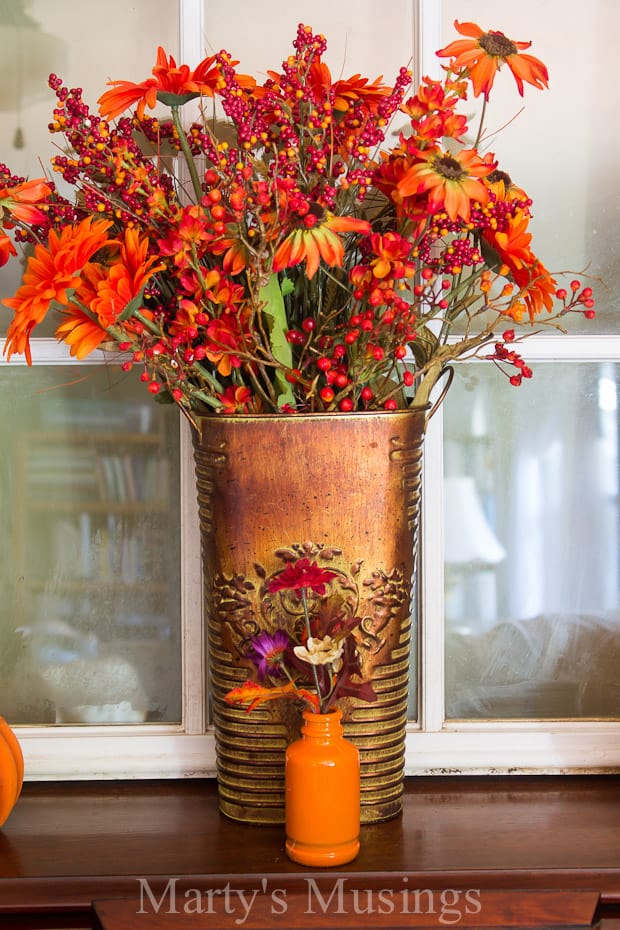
x=348, y=90
x=484, y=53
x=106, y=291
x=536, y=285
x=451, y=181
x=537, y=288
x=313, y=243
x=514, y=243
x=80, y=331
x=503, y=187
x=50, y=273
x=170, y=83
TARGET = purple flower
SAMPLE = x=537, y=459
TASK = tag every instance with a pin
x=267, y=652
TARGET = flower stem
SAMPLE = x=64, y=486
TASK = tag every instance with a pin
x=304, y=603
x=189, y=158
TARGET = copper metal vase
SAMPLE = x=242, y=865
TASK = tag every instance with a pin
x=344, y=488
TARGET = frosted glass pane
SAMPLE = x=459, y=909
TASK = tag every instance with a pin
x=572, y=183
x=362, y=36
x=90, y=556
x=531, y=543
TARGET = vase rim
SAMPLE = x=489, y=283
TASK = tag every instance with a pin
x=325, y=415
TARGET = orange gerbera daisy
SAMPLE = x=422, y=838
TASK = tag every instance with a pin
x=538, y=288
x=348, y=90
x=536, y=285
x=313, y=243
x=483, y=54
x=169, y=82
x=106, y=291
x=80, y=331
x=50, y=273
x=513, y=244
x=451, y=181
x=503, y=187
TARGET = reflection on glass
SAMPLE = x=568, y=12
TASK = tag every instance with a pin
x=89, y=568
x=531, y=544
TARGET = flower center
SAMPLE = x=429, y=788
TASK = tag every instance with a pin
x=498, y=175
x=274, y=655
x=449, y=168
x=497, y=44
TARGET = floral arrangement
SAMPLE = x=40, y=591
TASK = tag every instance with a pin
x=310, y=653
x=279, y=254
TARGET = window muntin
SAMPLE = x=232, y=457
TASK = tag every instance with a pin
x=436, y=744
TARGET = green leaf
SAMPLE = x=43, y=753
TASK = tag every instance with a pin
x=175, y=100
x=132, y=307
x=275, y=312
x=287, y=287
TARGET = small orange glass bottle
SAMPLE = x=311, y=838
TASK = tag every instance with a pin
x=322, y=793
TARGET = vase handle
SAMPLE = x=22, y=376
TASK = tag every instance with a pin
x=449, y=371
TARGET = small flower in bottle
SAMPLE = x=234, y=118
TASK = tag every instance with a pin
x=326, y=651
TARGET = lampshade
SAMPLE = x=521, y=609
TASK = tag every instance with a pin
x=468, y=536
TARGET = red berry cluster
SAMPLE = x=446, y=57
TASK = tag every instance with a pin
x=578, y=300
x=502, y=357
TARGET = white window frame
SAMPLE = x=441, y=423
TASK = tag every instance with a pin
x=433, y=745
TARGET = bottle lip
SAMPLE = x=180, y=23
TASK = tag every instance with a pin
x=334, y=713
x=323, y=726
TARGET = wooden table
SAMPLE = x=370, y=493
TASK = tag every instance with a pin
x=66, y=846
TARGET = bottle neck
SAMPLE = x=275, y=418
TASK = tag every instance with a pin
x=322, y=726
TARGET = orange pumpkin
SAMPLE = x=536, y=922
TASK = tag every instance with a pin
x=11, y=770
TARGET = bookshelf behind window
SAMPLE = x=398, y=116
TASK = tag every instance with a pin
x=91, y=520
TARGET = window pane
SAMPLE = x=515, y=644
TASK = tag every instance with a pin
x=531, y=543
x=89, y=571
x=86, y=45
x=575, y=218
x=364, y=37
x=89, y=628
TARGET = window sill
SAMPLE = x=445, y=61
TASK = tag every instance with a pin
x=68, y=844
